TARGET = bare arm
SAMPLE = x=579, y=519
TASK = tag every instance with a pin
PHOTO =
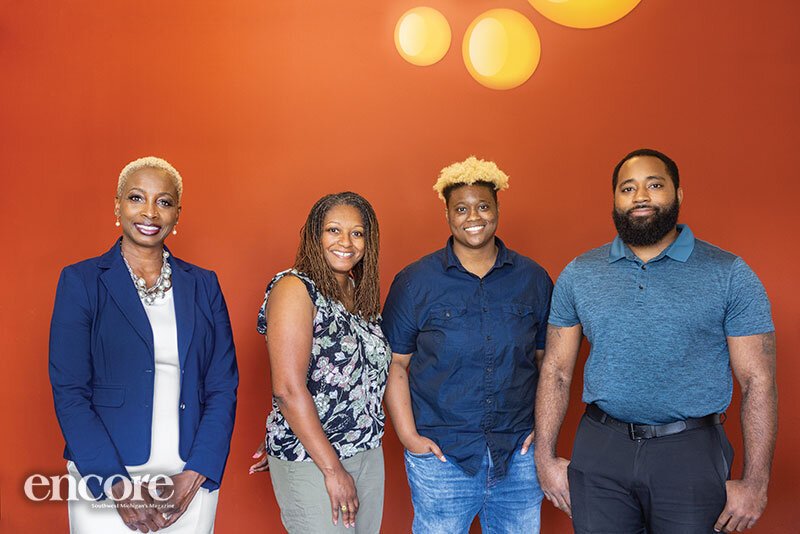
x=398, y=397
x=538, y=356
x=552, y=395
x=290, y=318
x=753, y=364
x=552, y=399
x=398, y=404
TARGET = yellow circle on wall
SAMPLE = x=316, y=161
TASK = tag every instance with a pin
x=501, y=49
x=584, y=13
x=422, y=36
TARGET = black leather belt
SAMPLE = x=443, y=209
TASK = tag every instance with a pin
x=635, y=431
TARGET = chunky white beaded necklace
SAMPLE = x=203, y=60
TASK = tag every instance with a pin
x=159, y=289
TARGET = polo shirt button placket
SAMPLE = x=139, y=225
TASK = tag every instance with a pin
x=640, y=282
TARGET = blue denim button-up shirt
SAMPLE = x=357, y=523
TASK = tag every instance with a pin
x=473, y=372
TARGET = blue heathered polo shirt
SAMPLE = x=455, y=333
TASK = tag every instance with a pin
x=473, y=373
x=658, y=329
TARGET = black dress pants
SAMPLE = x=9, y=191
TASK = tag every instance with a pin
x=668, y=485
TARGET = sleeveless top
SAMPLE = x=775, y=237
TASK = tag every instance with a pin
x=346, y=377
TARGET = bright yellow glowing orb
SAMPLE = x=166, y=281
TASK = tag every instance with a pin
x=584, y=13
x=501, y=49
x=422, y=36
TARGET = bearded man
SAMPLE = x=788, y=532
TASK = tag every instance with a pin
x=668, y=317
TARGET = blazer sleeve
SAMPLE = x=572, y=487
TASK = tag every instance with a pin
x=211, y=446
x=70, y=368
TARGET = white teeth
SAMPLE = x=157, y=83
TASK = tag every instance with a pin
x=473, y=228
x=342, y=254
x=148, y=228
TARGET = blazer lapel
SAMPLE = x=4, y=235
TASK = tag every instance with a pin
x=183, y=284
x=118, y=282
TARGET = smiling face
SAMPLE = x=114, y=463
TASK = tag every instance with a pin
x=645, y=201
x=472, y=215
x=148, y=207
x=343, y=240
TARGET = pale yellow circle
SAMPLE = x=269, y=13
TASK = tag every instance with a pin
x=501, y=49
x=584, y=13
x=422, y=36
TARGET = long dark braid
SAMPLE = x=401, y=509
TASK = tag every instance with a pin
x=310, y=260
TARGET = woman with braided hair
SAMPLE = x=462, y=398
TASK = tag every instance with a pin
x=329, y=362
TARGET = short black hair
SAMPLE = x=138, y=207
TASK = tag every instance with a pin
x=672, y=168
x=447, y=191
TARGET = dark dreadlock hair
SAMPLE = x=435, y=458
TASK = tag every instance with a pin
x=310, y=260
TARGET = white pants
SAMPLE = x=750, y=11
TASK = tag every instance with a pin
x=101, y=517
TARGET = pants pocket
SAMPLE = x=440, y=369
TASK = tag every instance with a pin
x=419, y=455
x=725, y=458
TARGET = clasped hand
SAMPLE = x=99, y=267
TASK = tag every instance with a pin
x=160, y=505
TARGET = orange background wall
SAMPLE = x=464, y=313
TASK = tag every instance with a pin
x=265, y=106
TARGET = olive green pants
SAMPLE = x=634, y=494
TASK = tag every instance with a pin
x=305, y=506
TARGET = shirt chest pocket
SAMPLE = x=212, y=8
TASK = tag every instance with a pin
x=445, y=318
x=519, y=310
x=520, y=324
x=445, y=326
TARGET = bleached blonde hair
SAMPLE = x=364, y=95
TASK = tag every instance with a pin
x=468, y=172
x=150, y=162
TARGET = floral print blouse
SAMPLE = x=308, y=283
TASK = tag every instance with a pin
x=346, y=377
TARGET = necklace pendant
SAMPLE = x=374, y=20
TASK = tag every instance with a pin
x=159, y=289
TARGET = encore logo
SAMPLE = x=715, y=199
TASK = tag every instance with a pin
x=40, y=487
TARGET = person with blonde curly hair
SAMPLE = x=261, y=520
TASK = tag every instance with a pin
x=466, y=325
x=143, y=371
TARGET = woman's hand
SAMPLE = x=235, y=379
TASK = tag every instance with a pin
x=138, y=515
x=290, y=323
x=342, y=492
x=417, y=444
x=262, y=464
x=184, y=487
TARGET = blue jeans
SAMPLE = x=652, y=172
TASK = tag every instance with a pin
x=446, y=499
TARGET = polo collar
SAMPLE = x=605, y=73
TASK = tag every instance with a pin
x=679, y=250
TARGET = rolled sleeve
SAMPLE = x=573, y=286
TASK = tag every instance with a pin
x=399, y=317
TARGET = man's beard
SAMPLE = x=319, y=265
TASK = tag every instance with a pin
x=646, y=231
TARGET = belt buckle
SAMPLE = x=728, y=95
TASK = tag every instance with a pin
x=632, y=433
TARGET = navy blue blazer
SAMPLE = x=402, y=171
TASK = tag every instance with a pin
x=102, y=369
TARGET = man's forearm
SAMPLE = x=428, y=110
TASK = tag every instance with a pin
x=552, y=395
x=759, y=414
x=552, y=400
